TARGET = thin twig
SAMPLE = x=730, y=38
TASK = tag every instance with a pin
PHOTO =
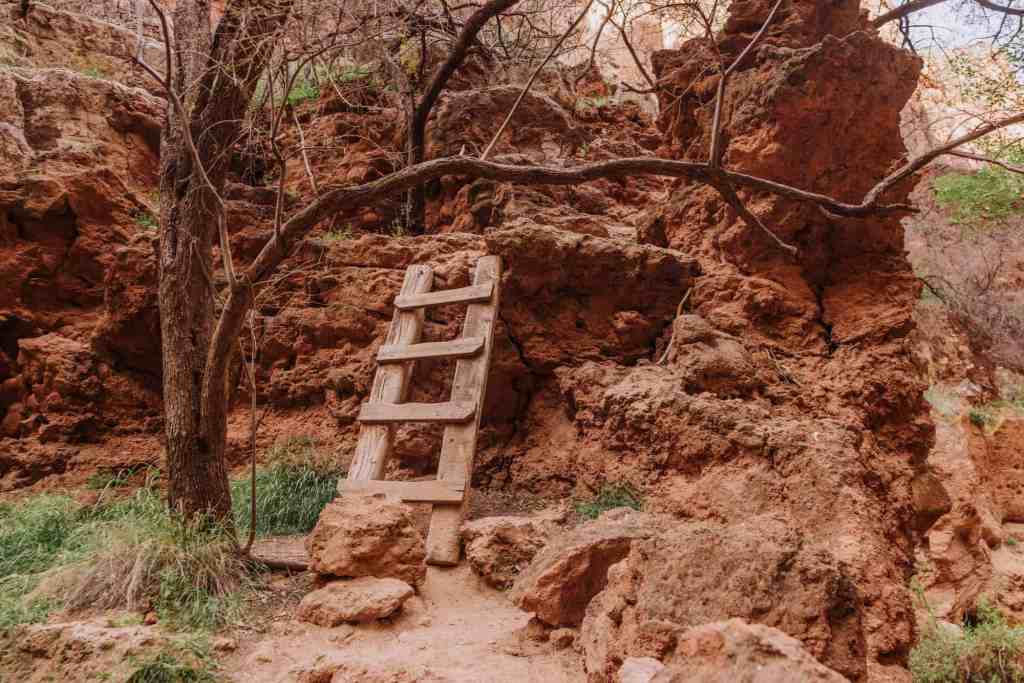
x=533, y=77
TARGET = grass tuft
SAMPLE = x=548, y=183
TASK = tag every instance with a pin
x=611, y=496
x=291, y=489
x=167, y=667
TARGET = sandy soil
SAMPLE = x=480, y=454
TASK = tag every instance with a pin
x=457, y=629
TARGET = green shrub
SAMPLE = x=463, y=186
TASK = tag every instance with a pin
x=592, y=102
x=986, y=651
x=979, y=418
x=302, y=91
x=608, y=498
x=146, y=220
x=291, y=489
x=989, y=194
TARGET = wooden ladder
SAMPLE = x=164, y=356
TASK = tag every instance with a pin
x=460, y=415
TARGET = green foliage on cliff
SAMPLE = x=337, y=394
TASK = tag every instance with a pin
x=988, y=650
x=991, y=194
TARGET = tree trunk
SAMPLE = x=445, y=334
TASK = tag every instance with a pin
x=196, y=470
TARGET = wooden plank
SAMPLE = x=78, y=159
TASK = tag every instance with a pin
x=462, y=295
x=409, y=491
x=457, y=348
x=459, y=441
x=281, y=552
x=445, y=413
x=390, y=383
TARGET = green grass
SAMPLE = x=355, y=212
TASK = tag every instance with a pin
x=93, y=72
x=986, y=651
x=609, y=497
x=182, y=664
x=131, y=554
x=991, y=194
x=292, y=489
x=336, y=235
x=1012, y=542
x=146, y=220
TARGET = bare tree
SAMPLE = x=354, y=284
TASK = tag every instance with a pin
x=210, y=81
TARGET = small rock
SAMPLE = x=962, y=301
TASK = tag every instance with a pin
x=498, y=548
x=573, y=567
x=224, y=644
x=356, y=601
x=639, y=670
x=562, y=638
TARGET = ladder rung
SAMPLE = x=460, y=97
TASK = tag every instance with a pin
x=436, y=491
x=444, y=413
x=458, y=348
x=462, y=295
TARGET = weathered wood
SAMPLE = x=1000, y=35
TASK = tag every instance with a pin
x=449, y=491
x=457, y=348
x=445, y=413
x=462, y=295
x=459, y=441
x=281, y=552
x=390, y=384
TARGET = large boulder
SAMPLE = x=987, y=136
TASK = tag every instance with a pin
x=367, y=536
x=573, y=567
x=696, y=572
x=357, y=601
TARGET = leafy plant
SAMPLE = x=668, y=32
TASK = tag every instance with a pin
x=595, y=102
x=146, y=220
x=302, y=91
x=986, y=650
x=93, y=72
x=608, y=498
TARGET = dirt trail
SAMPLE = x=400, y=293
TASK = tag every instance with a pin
x=455, y=630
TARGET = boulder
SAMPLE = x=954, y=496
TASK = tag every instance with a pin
x=734, y=651
x=573, y=567
x=367, y=536
x=691, y=573
x=499, y=548
x=359, y=601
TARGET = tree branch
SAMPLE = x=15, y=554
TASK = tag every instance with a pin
x=533, y=77
x=987, y=160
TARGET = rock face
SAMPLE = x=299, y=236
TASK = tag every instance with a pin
x=78, y=161
x=573, y=567
x=734, y=651
x=356, y=601
x=367, y=536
